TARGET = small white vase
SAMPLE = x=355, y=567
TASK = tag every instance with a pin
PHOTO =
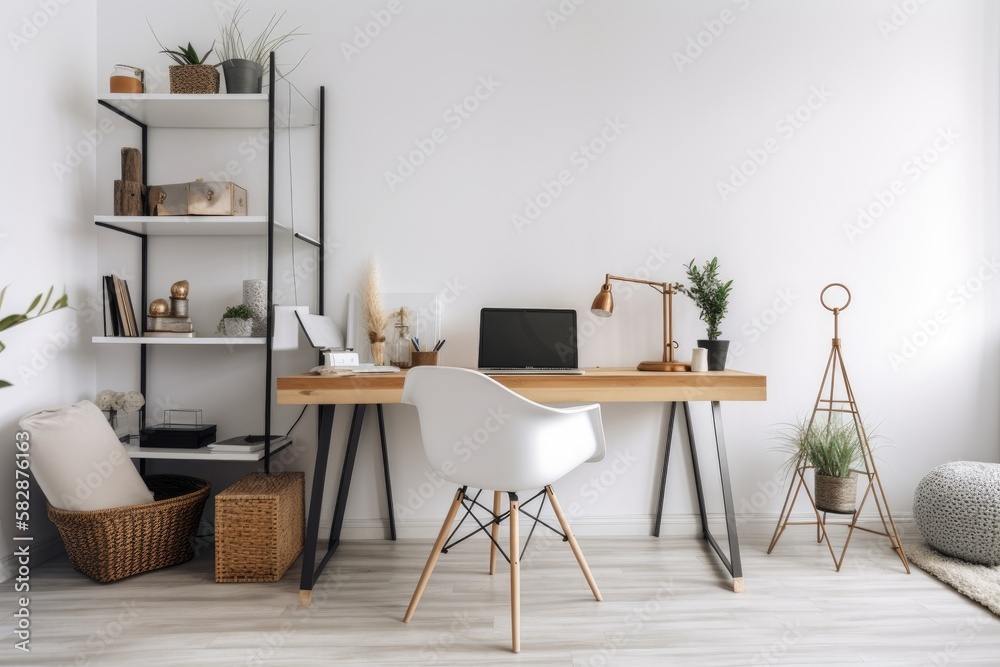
x=255, y=298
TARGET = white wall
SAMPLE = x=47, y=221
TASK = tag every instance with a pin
x=885, y=87
x=46, y=239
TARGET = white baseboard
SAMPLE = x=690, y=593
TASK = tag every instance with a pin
x=673, y=525
x=637, y=525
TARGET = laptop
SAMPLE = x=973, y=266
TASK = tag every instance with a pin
x=528, y=341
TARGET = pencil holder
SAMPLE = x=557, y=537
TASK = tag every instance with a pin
x=424, y=358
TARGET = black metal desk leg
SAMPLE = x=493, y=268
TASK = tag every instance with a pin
x=732, y=561
x=727, y=498
x=326, y=413
x=663, y=474
x=705, y=533
x=345, y=481
x=385, y=472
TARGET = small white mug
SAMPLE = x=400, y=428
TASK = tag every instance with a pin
x=699, y=359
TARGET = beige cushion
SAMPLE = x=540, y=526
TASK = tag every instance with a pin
x=79, y=462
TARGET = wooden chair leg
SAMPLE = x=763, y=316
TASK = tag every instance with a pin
x=557, y=508
x=495, y=531
x=435, y=553
x=515, y=578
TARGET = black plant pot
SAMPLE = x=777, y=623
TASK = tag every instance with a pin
x=717, y=352
x=242, y=76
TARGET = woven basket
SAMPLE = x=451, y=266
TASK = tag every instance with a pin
x=259, y=527
x=836, y=494
x=194, y=80
x=111, y=544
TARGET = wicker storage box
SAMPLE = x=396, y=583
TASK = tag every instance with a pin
x=194, y=79
x=111, y=544
x=259, y=527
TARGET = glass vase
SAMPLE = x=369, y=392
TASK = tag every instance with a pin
x=400, y=355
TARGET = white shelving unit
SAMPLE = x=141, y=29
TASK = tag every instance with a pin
x=200, y=454
x=200, y=112
x=148, y=340
x=196, y=113
x=190, y=225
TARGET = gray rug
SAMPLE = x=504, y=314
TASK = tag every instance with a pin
x=979, y=582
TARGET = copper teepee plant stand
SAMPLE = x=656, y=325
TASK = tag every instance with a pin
x=873, y=486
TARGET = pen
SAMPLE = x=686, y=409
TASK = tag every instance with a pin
x=416, y=344
x=439, y=345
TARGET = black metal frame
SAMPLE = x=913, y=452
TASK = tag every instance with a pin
x=311, y=571
x=732, y=562
x=143, y=357
x=498, y=519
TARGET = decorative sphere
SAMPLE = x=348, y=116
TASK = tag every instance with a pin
x=159, y=308
x=179, y=290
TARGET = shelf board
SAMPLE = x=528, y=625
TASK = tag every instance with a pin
x=200, y=454
x=190, y=225
x=200, y=111
x=153, y=340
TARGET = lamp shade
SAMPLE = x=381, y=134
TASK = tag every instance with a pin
x=604, y=303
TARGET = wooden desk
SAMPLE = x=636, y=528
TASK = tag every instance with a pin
x=598, y=385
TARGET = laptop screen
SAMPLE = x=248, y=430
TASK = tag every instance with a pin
x=527, y=338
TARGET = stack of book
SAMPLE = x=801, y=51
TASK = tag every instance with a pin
x=119, y=317
x=240, y=445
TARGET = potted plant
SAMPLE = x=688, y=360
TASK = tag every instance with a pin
x=245, y=60
x=833, y=450
x=191, y=75
x=711, y=295
x=237, y=321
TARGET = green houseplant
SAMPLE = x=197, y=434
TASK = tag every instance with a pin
x=191, y=75
x=245, y=59
x=237, y=321
x=833, y=450
x=711, y=295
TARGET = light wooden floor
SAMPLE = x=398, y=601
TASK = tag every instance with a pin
x=666, y=601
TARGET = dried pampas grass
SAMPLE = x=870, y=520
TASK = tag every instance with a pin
x=376, y=319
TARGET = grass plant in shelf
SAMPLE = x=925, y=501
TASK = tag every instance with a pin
x=833, y=450
x=245, y=60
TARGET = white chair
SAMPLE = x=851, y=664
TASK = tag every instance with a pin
x=479, y=434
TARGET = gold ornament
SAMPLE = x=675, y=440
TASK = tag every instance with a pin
x=159, y=308
x=179, y=290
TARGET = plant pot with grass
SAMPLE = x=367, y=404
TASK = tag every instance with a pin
x=237, y=322
x=833, y=449
x=245, y=58
x=711, y=295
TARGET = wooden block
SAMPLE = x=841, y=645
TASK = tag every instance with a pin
x=128, y=198
x=132, y=165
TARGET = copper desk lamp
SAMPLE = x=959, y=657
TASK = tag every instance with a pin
x=604, y=306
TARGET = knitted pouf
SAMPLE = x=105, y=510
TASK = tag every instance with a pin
x=957, y=509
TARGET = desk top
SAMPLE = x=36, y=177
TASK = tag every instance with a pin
x=597, y=385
